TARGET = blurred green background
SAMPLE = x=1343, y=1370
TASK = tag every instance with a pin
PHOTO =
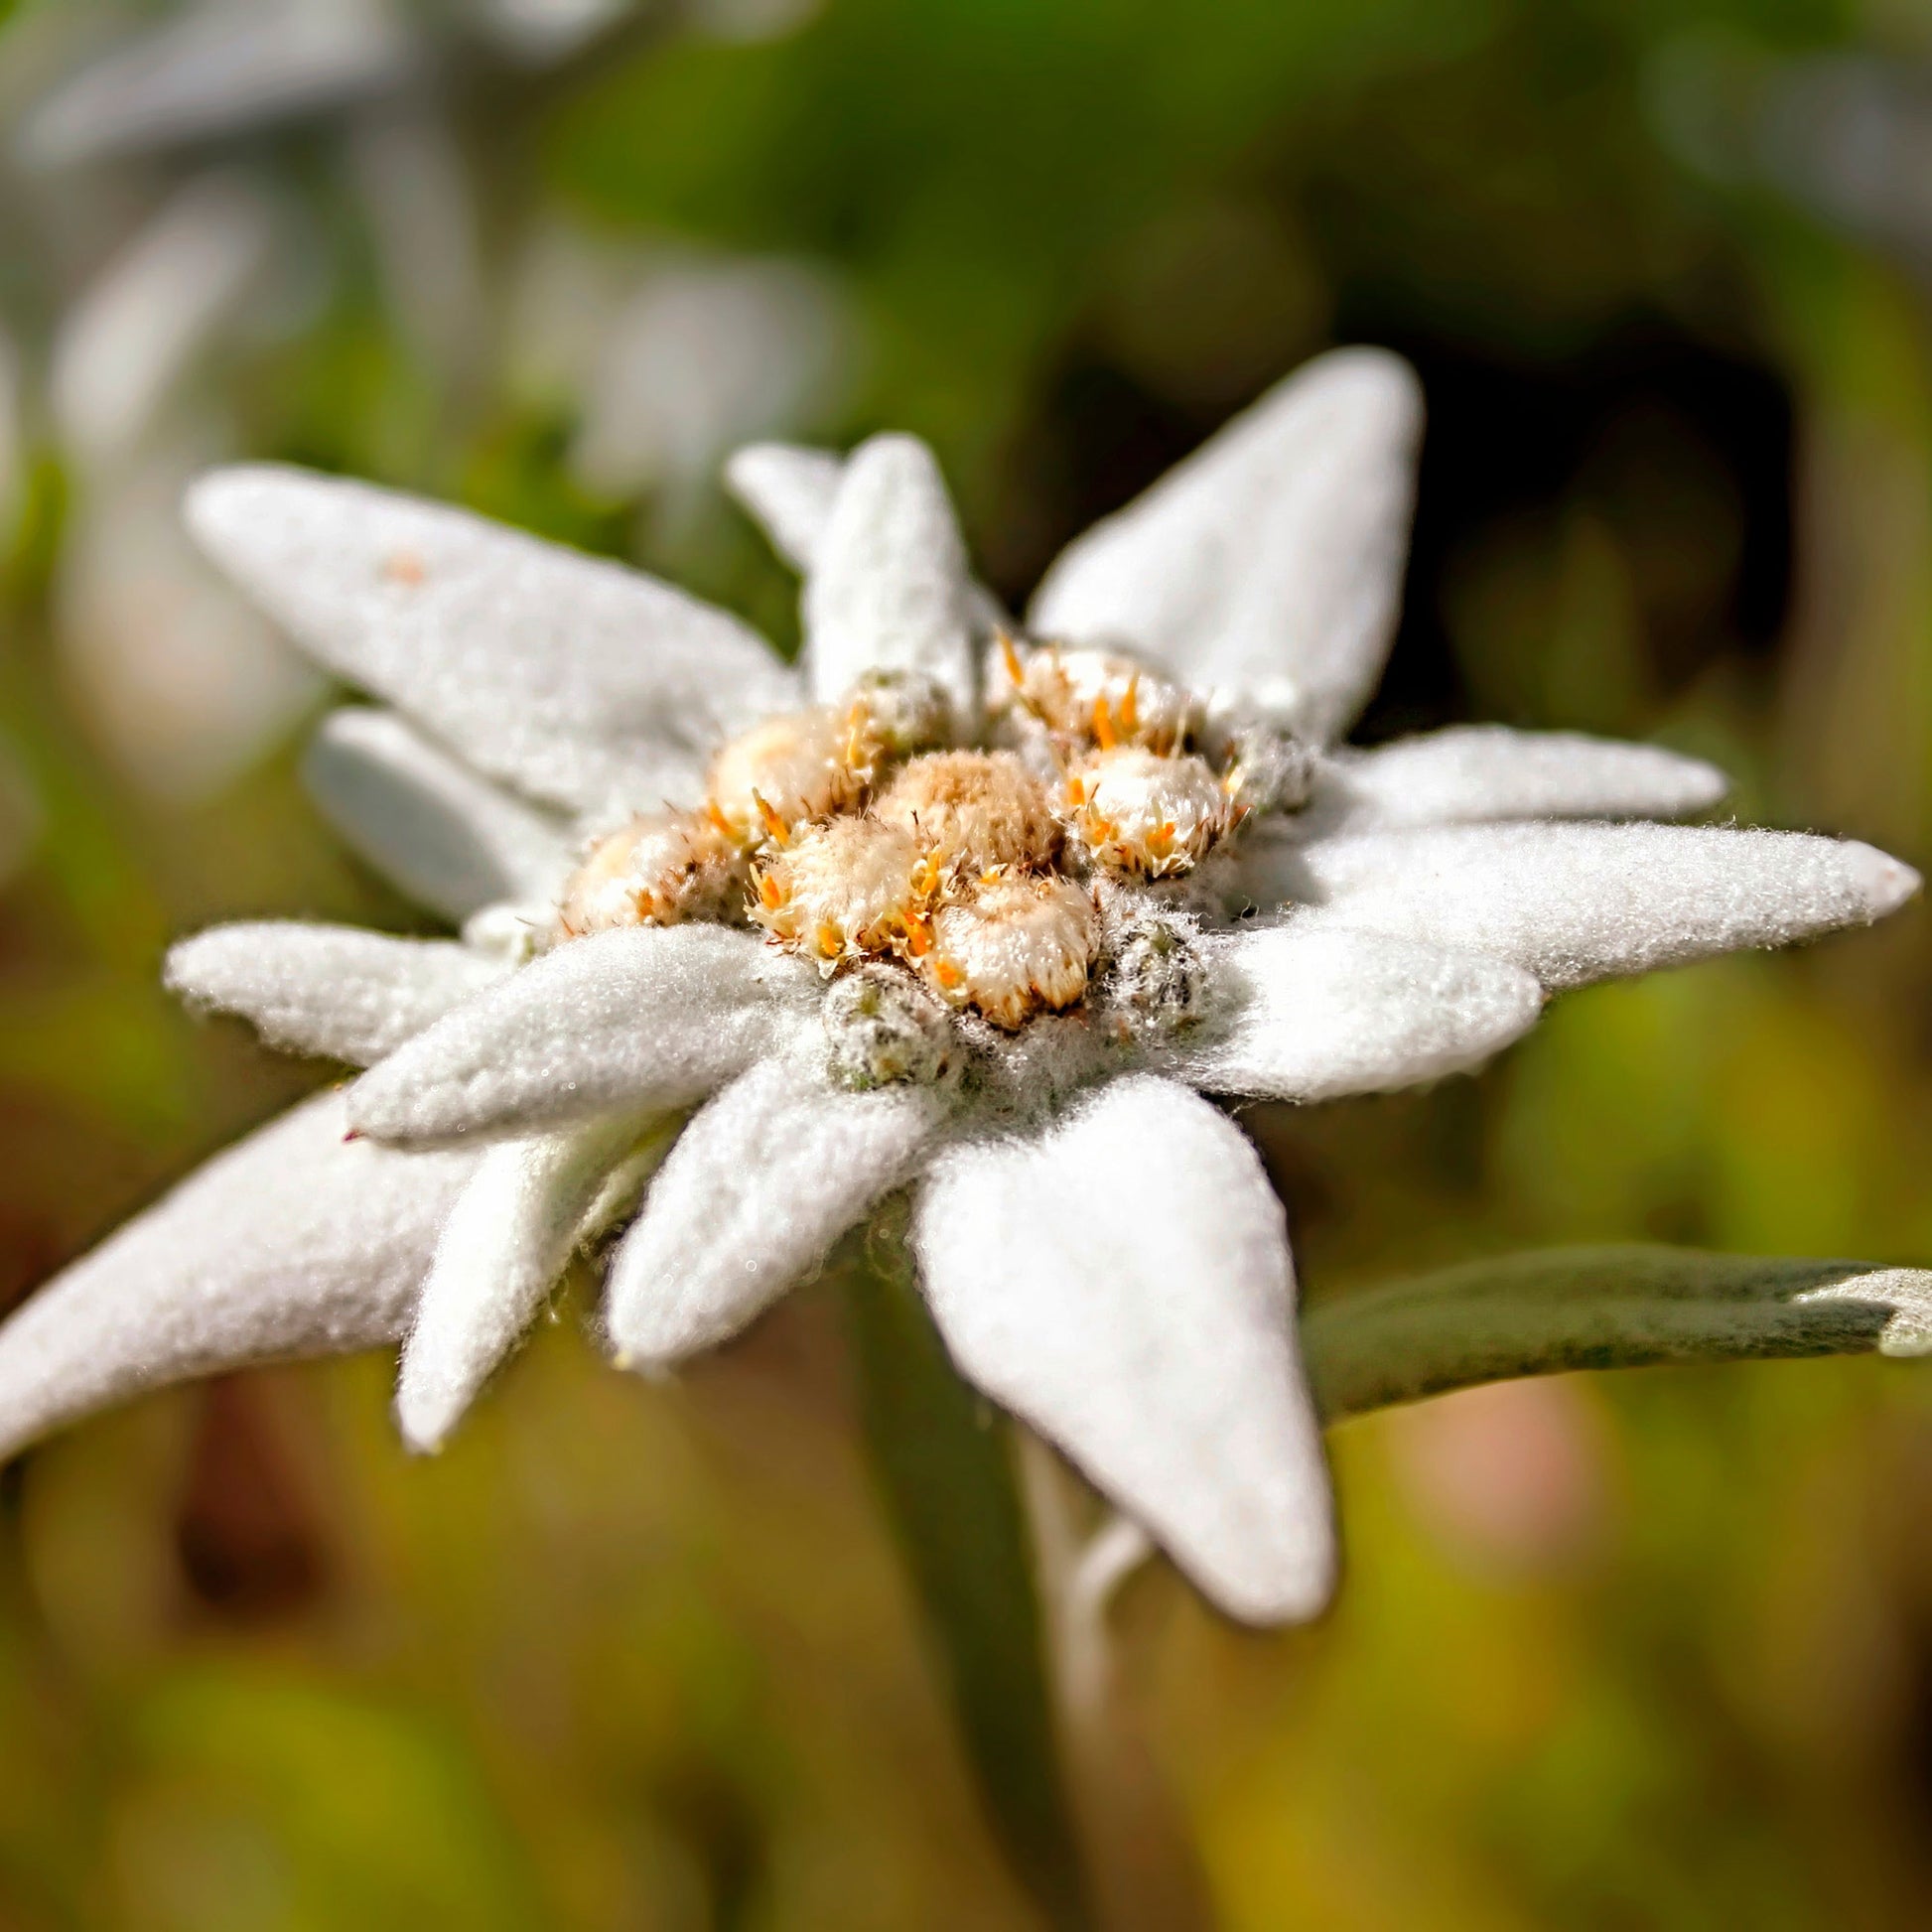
x=1653, y=1650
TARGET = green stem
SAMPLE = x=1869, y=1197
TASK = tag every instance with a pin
x=1015, y=1582
x=1141, y=1865
x=943, y=1461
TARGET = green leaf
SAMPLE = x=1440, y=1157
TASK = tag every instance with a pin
x=943, y=1461
x=1559, y=1309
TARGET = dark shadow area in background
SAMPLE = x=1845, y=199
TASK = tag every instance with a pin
x=1504, y=438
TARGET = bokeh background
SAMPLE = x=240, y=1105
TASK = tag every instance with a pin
x=1653, y=1650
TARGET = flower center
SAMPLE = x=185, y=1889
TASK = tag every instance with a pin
x=1054, y=867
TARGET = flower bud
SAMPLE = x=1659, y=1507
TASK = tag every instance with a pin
x=1089, y=698
x=883, y=1027
x=788, y=771
x=849, y=886
x=1144, y=815
x=661, y=869
x=1015, y=946
x=976, y=810
x=905, y=712
x=1153, y=975
x=1268, y=771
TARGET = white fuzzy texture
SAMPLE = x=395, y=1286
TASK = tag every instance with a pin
x=502, y=1251
x=1145, y=814
x=291, y=1243
x=1469, y=773
x=789, y=492
x=445, y=836
x=580, y=681
x=889, y=589
x=1266, y=567
x=629, y=1021
x=217, y=69
x=1019, y=946
x=1123, y=1284
x=339, y=990
x=758, y=1188
x=1573, y=904
x=1907, y=1332
x=1322, y=1014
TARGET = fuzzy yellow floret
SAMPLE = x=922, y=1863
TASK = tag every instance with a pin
x=1144, y=815
x=977, y=810
x=1089, y=698
x=661, y=869
x=788, y=771
x=846, y=888
x=1013, y=948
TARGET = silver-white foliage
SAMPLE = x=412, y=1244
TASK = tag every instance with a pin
x=1099, y=1245
x=1562, y=1308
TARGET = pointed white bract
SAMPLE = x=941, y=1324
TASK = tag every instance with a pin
x=640, y=1019
x=439, y=833
x=1573, y=904
x=506, y=1241
x=1026, y=1008
x=789, y=491
x=543, y=31
x=889, y=589
x=1906, y=1291
x=1153, y=1343
x=292, y=1243
x=1472, y=773
x=574, y=679
x=1267, y=566
x=156, y=309
x=1320, y=1013
x=220, y=69
x=334, y=989
x=758, y=1188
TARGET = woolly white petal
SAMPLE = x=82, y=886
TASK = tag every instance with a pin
x=334, y=990
x=1578, y=902
x=219, y=70
x=1322, y=1014
x=623, y=1022
x=1476, y=772
x=504, y=1245
x=751, y=1197
x=291, y=1243
x=1123, y=1284
x=540, y=32
x=450, y=840
x=156, y=308
x=788, y=490
x=890, y=588
x=577, y=679
x=1269, y=564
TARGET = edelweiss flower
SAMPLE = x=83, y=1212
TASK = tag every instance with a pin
x=977, y=913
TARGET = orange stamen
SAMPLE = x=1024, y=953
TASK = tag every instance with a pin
x=774, y=824
x=1011, y=657
x=1103, y=725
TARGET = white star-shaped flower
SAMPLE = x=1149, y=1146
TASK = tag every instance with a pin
x=941, y=908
